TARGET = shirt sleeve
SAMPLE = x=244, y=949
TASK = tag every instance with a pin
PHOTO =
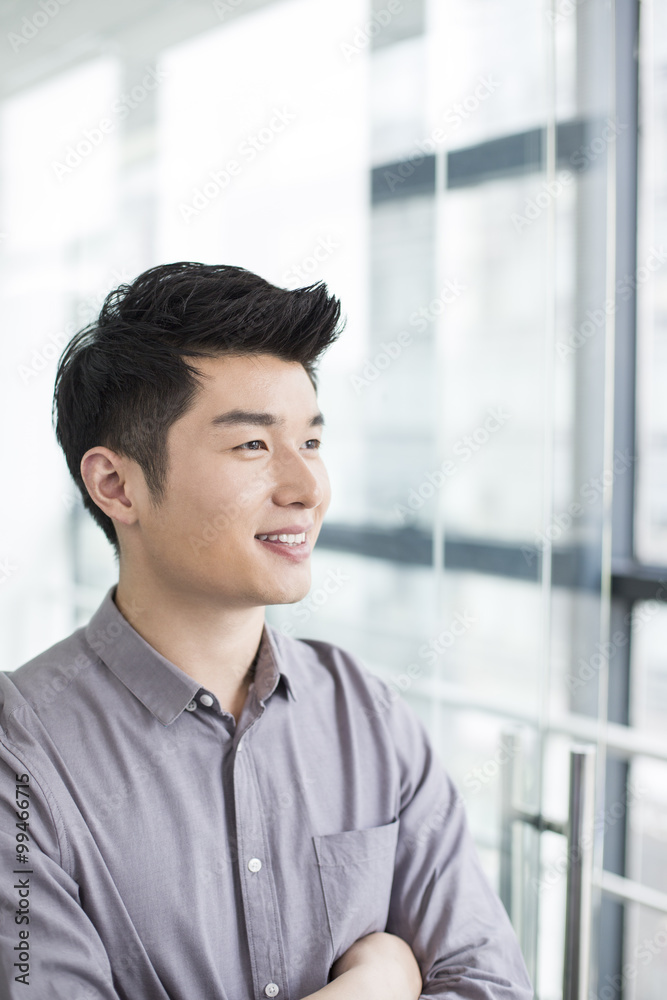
x=49, y=948
x=441, y=902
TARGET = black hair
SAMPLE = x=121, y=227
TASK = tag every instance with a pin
x=123, y=380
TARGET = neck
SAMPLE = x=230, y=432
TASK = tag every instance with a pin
x=213, y=644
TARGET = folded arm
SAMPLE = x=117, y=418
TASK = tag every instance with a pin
x=378, y=966
x=441, y=902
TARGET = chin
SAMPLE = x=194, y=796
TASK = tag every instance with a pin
x=291, y=595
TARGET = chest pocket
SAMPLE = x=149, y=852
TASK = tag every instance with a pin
x=356, y=869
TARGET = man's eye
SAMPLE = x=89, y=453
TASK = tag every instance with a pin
x=313, y=445
x=246, y=445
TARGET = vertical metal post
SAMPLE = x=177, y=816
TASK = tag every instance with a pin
x=510, y=739
x=579, y=873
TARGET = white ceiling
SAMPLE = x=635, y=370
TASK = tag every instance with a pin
x=135, y=30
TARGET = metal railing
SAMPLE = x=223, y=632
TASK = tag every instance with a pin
x=578, y=829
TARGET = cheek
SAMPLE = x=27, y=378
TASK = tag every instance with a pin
x=205, y=495
x=325, y=486
x=232, y=503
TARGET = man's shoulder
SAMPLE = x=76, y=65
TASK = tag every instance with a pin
x=321, y=665
x=41, y=679
x=33, y=719
x=317, y=653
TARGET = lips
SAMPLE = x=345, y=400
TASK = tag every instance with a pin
x=284, y=538
x=291, y=545
x=289, y=534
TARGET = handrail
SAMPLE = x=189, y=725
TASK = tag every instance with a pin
x=630, y=891
x=578, y=907
x=579, y=831
x=624, y=741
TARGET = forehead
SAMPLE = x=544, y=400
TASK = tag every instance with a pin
x=250, y=369
x=260, y=380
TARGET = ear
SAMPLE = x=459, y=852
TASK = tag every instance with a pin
x=107, y=479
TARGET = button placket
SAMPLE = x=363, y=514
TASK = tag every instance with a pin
x=257, y=883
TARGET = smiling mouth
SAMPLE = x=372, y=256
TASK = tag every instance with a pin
x=284, y=539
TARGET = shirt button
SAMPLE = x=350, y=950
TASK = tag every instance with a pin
x=191, y=706
x=206, y=700
x=271, y=989
x=254, y=865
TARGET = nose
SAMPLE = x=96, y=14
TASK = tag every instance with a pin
x=299, y=480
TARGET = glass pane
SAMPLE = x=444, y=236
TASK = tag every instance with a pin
x=651, y=285
x=645, y=960
x=55, y=161
x=648, y=700
x=378, y=609
x=648, y=812
x=489, y=73
x=644, y=970
x=492, y=387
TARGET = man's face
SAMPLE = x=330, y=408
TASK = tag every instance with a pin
x=232, y=479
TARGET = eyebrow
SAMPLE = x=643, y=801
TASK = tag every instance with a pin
x=234, y=417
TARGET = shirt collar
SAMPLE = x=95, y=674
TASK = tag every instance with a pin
x=160, y=685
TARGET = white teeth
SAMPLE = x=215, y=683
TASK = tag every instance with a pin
x=286, y=539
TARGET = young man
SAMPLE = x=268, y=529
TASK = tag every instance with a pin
x=194, y=805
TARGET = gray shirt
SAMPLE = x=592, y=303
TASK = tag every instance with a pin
x=154, y=849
